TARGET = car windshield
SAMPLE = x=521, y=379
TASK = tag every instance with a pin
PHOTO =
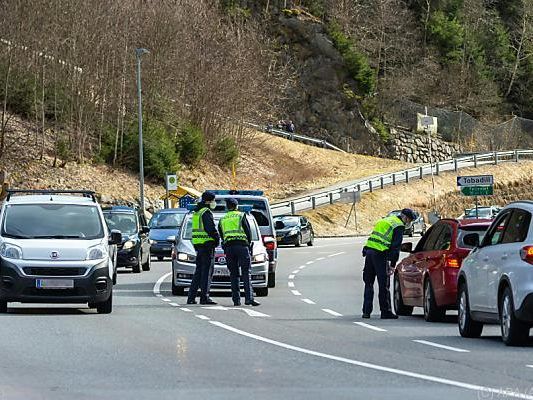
x=187, y=232
x=288, y=221
x=462, y=232
x=52, y=221
x=124, y=222
x=482, y=212
x=166, y=220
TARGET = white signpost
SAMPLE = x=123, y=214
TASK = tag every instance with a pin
x=171, y=183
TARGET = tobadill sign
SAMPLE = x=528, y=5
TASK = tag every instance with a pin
x=475, y=180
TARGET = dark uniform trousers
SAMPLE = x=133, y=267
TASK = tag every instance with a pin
x=205, y=261
x=238, y=256
x=376, y=266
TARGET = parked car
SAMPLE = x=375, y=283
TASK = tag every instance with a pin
x=262, y=214
x=428, y=276
x=294, y=229
x=416, y=226
x=184, y=259
x=165, y=223
x=496, y=281
x=55, y=248
x=134, y=251
x=481, y=213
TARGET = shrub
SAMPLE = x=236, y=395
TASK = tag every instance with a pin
x=191, y=144
x=226, y=151
x=382, y=130
x=448, y=35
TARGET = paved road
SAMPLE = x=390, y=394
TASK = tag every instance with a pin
x=306, y=341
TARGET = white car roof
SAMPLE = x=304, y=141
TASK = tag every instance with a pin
x=51, y=198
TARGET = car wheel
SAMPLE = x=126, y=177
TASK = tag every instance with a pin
x=3, y=307
x=261, y=292
x=399, y=306
x=298, y=241
x=177, y=290
x=432, y=313
x=423, y=232
x=136, y=269
x=160, y=258
x=271, y=279
x=105, y=307
x=115, y=278
x=467, y=326
x=147, y=264
x=311, y=239
x=514, y=331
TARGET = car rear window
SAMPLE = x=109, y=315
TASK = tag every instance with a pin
x=126, y=223
x=259, y=209
x=48, y=221
x=463, y=231
x=166, y=220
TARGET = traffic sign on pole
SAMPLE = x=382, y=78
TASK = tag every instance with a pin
x=475, y=180
x=477, y=190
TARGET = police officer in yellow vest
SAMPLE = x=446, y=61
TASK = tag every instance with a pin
x=205, y=239
x=236, y=238
x=382, y=251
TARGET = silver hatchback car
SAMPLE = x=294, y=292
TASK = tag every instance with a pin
x=184, y=258
x=495, y=283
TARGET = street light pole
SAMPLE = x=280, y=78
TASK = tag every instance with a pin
x=139, y=52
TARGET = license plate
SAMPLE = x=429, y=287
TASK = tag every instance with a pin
x=54, y=283
x=279, y=238
x=167, y=248
x=221, y=272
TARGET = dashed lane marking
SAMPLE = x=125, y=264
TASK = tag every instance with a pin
x=291, y=284
x=302, y=267
x=296, y=293
x=291, y=276
x=429, y=378
x=295, y=271
x=334, y=313
x=441, y=346
x=529, y=366
x=310, y=262
x=174, y=304
x=308, y=301
x=202, y=317
x=185, y=309
x=337, y=254
x=374, y=328
x=167, y=300
x=321, y=258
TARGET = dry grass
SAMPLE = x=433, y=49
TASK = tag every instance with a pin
x=513, y=182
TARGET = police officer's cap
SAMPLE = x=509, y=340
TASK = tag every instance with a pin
x=208, y=196
x=231, y=202
x=409, y=213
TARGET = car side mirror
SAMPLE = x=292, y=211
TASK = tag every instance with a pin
x=171, y=239
x=145, y=229
x=279, y=225
x=472, y=240
x=116, y=237
x=407, y=247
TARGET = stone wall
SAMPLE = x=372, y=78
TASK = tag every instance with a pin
x=410, y=147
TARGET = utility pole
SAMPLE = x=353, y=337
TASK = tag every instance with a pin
x=138, y=53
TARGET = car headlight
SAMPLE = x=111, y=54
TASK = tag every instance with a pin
x=186, y=257
x=129, y=244
x=98, y=252
x=259, y=258
x=8, y=250
x=293, y=232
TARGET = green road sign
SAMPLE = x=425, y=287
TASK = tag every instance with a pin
x=477, y=190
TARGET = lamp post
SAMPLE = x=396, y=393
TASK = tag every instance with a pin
x=138, y=53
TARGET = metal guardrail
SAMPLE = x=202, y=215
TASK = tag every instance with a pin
x=303, y=203
x=297, y=137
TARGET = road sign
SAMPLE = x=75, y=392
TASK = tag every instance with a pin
x=427, y=121
x=477, y=190
x=172, y=182
x=475, y=180
x=350, y=197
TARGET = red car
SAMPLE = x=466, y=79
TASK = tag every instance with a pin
x=428, y=277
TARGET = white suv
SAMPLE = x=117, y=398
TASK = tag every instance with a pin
x=496, y=280
x=55, y=248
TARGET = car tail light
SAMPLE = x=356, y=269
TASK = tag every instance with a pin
x=269, y=242
x=453, y=261
x=526, y=254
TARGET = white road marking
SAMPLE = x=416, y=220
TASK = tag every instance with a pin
x=334, y=313
x=337, y=254
x=203, y=317
x=374, y=328
x=216, y=308
x=321, y=258
x=159, y=295
x=441, y=346
x=529, y=366
x=185, y=309
x=174, y=304
x=295, y=271
x=308, y=301
x=310, y=262
x=252, y=313
x=296, y=293
x=291, y=276
x=157, y=286
x=463, y=385
x=291, y=284
x=167, y=300
x=303, y=266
